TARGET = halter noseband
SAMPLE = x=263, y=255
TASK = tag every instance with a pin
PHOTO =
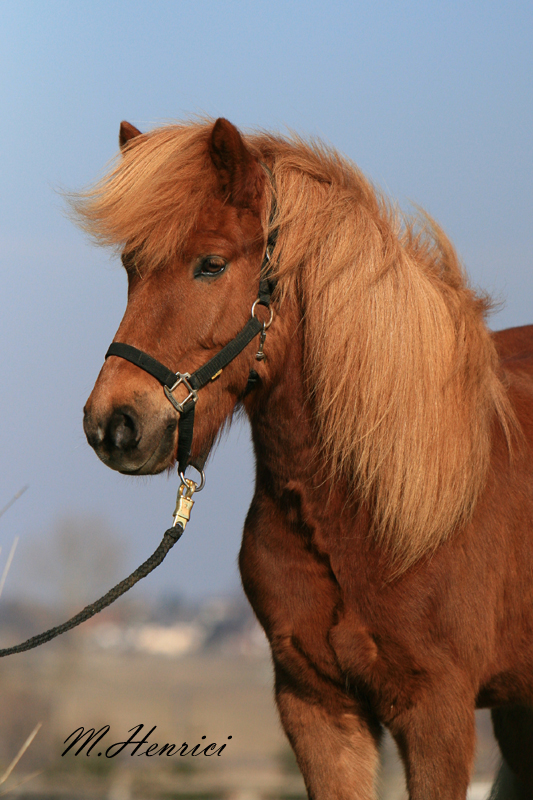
x=193, y=383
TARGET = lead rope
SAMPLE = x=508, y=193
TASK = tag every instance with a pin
x=182, y=513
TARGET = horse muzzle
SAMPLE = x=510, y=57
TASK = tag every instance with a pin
x=130, y=441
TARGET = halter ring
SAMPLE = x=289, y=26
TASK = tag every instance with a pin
x=266, y=325
x=199, y=486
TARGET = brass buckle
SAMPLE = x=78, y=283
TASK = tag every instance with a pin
x=184, y=501
x=193, y=394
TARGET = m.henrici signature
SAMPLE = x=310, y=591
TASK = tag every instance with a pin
x=92, y=737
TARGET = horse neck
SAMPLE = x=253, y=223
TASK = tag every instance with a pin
x=281, y=416
x=290, y=475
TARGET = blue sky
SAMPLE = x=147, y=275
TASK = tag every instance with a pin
x=433, y=101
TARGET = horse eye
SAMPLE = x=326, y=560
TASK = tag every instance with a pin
x=212, y=265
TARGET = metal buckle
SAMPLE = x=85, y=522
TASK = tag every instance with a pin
x=193, y=394
x=260, y=355
x=184, y=501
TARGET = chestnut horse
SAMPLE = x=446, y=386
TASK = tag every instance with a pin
x=388, y=550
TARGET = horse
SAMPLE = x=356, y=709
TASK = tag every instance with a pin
x=388, y=548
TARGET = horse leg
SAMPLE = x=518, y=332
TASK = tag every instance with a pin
x=437, y=744
x=513, y=728
x=335, y=746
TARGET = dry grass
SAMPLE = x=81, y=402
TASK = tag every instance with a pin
x=16, y=760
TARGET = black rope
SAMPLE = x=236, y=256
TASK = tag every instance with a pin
x=169, y=539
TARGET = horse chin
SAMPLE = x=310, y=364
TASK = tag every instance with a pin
x=156, y=463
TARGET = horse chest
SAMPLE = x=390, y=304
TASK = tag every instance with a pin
x=312, y=590
x=288, y=564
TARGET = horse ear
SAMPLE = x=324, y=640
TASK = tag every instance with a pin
x=127, y=132
x=240, y=175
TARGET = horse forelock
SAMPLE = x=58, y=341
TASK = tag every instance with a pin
x=399, y=364
x=150, y=200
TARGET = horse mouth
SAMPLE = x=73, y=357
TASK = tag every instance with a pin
x=161, y=458
x=135, y=461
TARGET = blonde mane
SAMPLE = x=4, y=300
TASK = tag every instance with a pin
x=400, y=367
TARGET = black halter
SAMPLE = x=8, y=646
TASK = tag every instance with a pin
x=193, y=383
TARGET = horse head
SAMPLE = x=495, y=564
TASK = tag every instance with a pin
x=183, y=308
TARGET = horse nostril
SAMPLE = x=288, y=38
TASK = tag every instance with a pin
x=123, y=431
x=94, y=431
